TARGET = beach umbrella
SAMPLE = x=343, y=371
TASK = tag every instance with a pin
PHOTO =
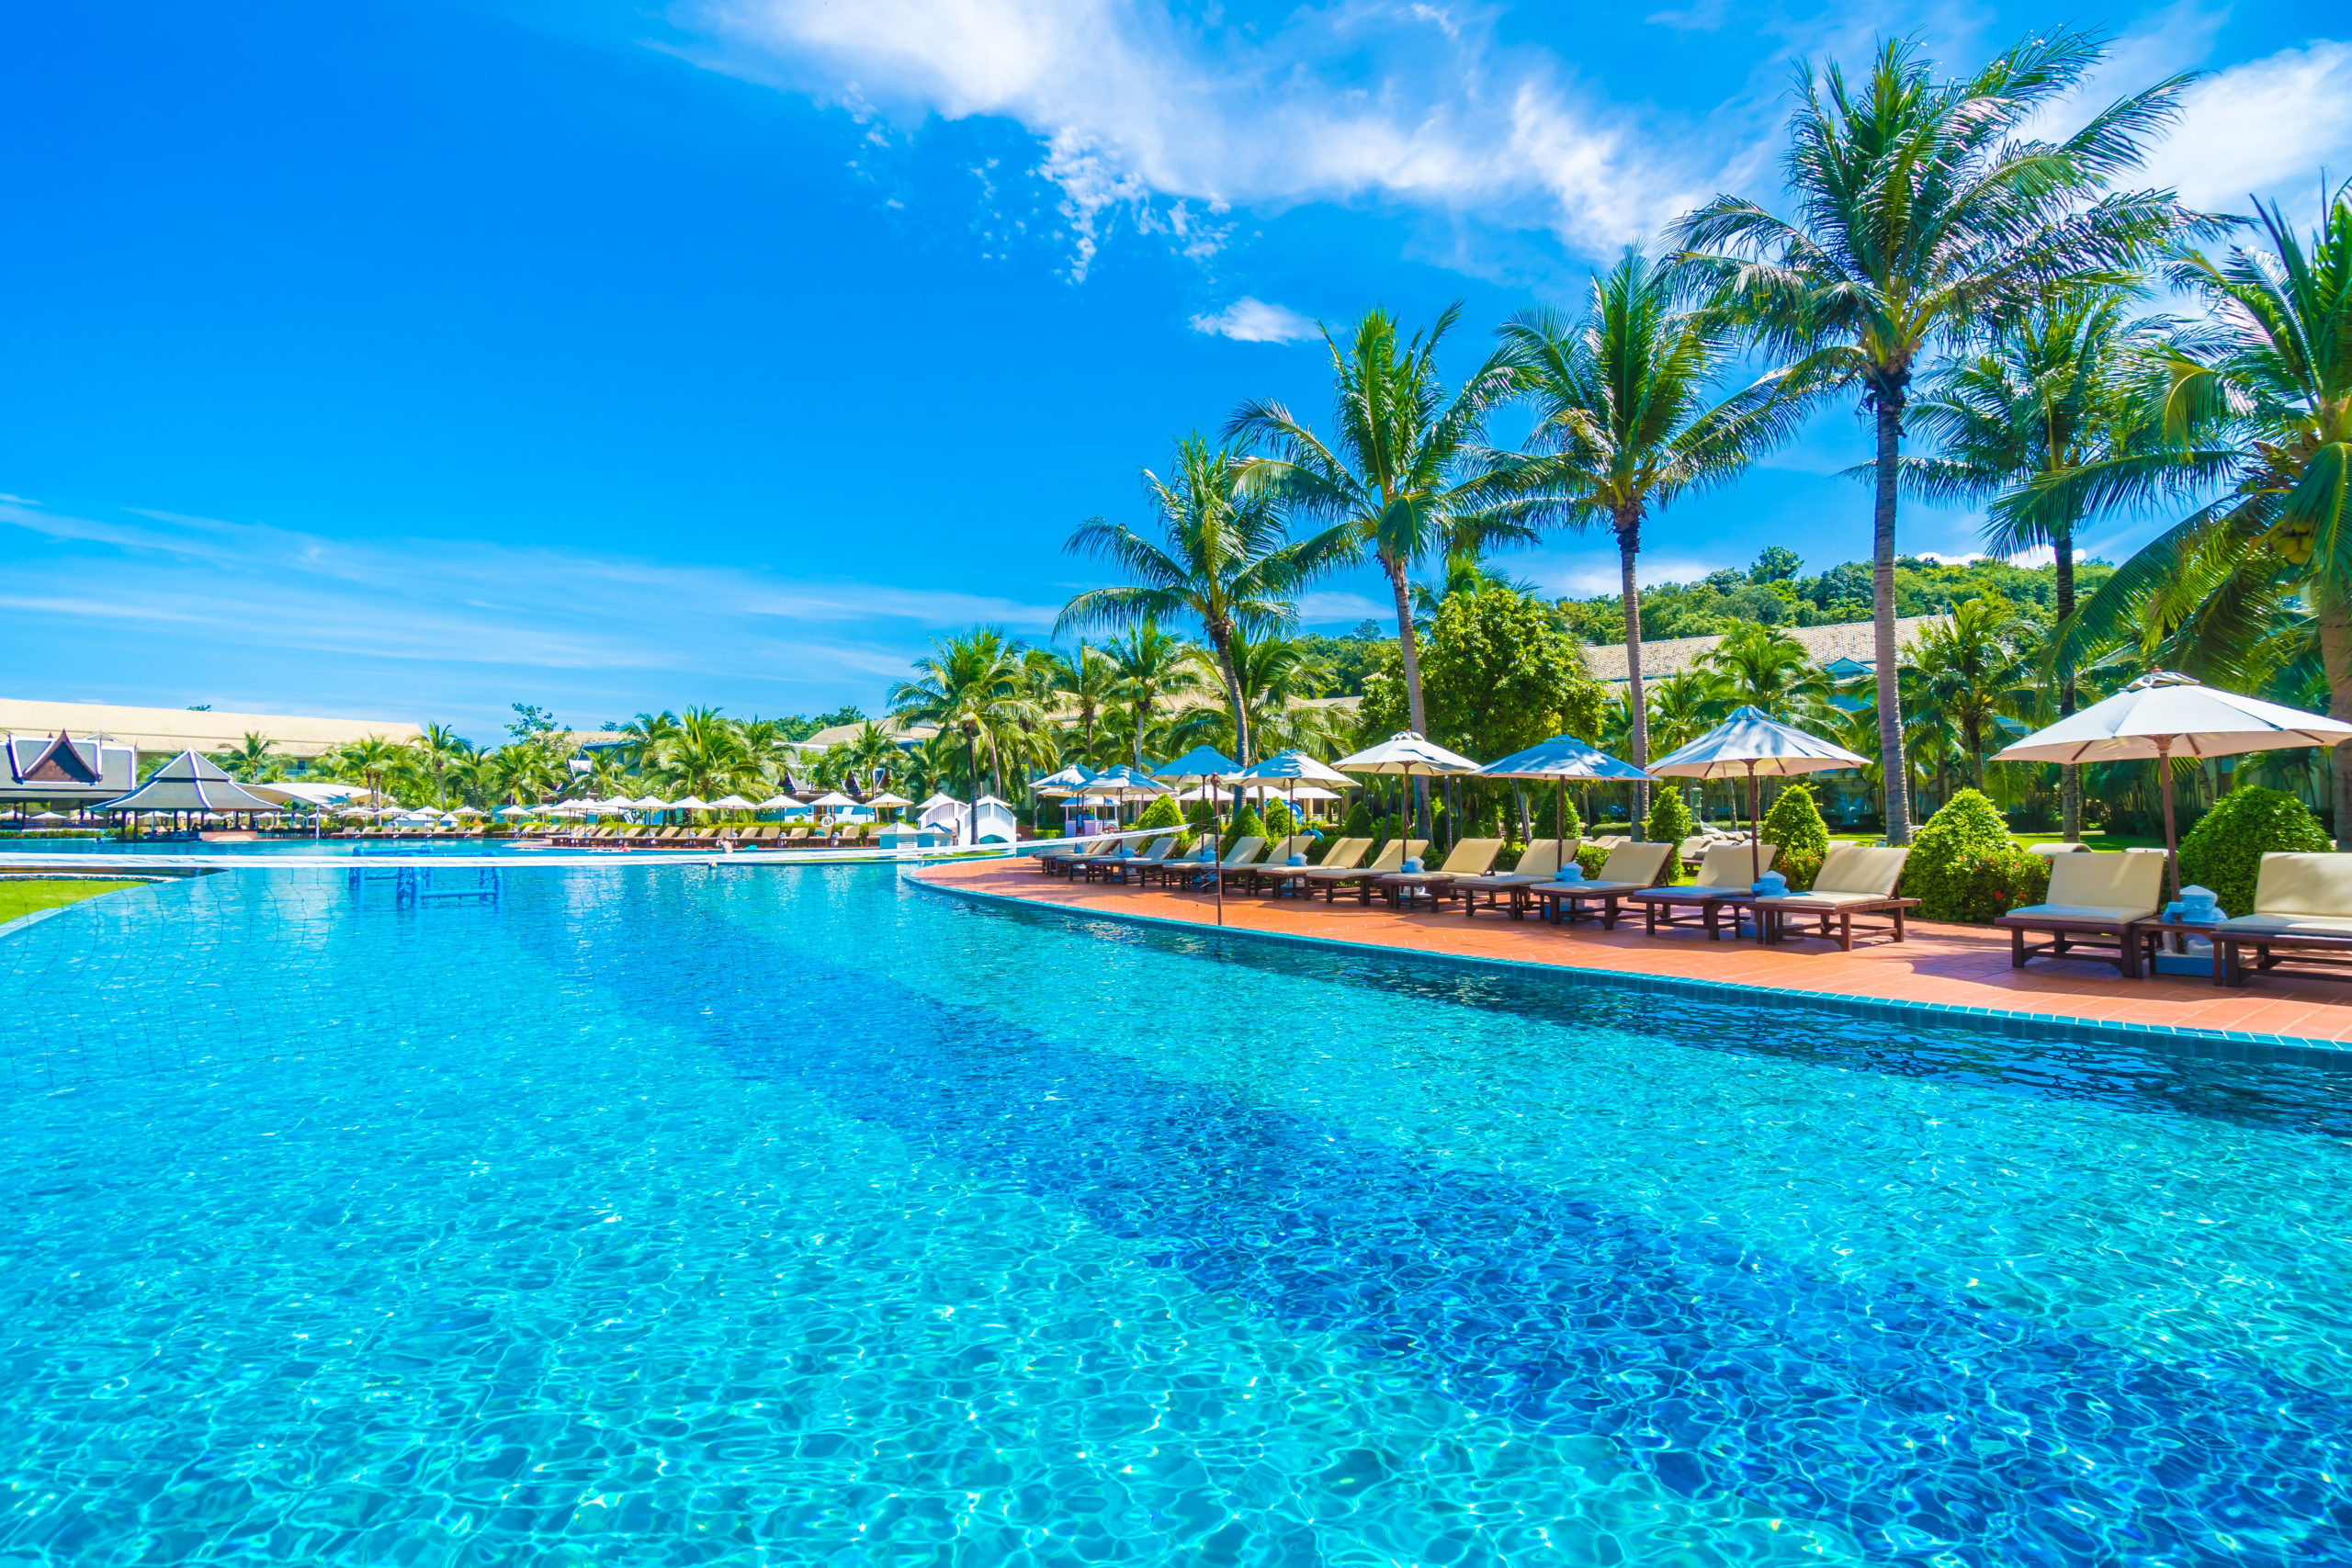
x=1061, y=782
x=514, y=811
x=1753, y=744
x=466, y=811
x=731, y=802
x=691, y=803
x=776, y=803
x=1290, y=768
x=2162, y=716
x=887, y=801
x=1406, y=754
x=833, y=800
x=1560, y=759
x=1201, y=764
x=49, y=816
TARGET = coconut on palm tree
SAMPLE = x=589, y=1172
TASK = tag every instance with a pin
x=2254, y=408
x=1626, y=421
x=1927, y=214
x=2048, y=395
x=974, y=686
x=1224, y=559
x=1407, y=470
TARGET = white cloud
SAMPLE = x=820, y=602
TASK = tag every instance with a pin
x=2261, y=128
x=587, y=621
x=1145, y=112
x=1320, y=607
x=1248, y=319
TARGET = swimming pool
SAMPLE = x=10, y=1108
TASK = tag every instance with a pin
x=735, y=1213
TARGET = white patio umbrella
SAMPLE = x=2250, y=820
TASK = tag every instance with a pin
x=2163, y=715
x=833, y=800
x=776, y=803
x=732, y=803
x=1406, y=754
x=887, y=801
x=691, y=803
x=1752, y=744
x=466, y=811
x=1291, y=769
x=49, y=816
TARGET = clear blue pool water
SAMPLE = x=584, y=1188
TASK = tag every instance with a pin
x=744, y=1214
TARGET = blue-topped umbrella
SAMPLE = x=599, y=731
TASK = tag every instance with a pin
x=1560, y=759
x=1290, y=767
x=1201, y=764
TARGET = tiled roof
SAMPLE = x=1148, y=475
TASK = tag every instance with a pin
x=1855, y=640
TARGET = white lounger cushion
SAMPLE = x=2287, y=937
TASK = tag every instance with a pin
x=2291, y=925
x=2108, y=881
x=2304, y=885
x=1727, y=865
x=1819, y=900
x=1851, y=868
x=2109, y=915
x=1636, y=864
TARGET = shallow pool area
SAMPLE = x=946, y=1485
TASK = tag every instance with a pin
x=796, y=1215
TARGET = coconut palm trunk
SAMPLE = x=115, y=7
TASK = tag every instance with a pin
x=1410, y=651
x=2336, y=658
x=1629, y=545
x=1890, y=693
x=2070, y=777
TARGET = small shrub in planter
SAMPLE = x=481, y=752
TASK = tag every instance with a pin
x=1795, y=823
x=1964, y=866
x=1669, y=820
x=2224, y=850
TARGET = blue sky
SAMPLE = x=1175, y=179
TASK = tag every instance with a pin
x=407, y=361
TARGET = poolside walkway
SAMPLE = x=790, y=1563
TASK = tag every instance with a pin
x=1941, y=966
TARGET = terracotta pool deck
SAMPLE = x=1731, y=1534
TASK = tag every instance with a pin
x=1940, y=966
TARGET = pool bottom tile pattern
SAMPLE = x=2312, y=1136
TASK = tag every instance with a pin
x=728, y=1216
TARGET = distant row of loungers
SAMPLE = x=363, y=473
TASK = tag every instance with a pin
x=648, y=837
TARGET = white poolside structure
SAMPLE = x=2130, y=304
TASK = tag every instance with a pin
x=948, y=814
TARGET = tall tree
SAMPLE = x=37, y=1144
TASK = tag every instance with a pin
x=1224, y=559
x=1084, y=680
x=2255, y=405
x=1970, y=672
x=1924, y=215
x=1765, y=668
x=972, y=685
x=2049, y=395
x=1151, y=669
x=1626, y=421
x=1408, y=470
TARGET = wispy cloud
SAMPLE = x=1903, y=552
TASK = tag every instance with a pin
x=1248, y=320
x=1176, y=119
x=2264, y=128
x=388, y=613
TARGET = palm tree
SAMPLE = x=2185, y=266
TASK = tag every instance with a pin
x=1227, y=561
x=2255, y=405
x=430, y=755
x=1764, y=667
x=1624, y=423
x=704, y=755
x=973, y=685
x=1276, y=675
x=2048, y=396
x=1970, y=672
x=1407, y=472
x=1150, y=669
x=367, y=760
x=254, y=758
x=1923, y=216
x=1084, y=679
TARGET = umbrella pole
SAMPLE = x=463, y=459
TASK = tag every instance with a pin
x=2164, y=787
x=1755, y=830
x=1560, y=828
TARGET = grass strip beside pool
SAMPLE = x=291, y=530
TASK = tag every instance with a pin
x=25, y=898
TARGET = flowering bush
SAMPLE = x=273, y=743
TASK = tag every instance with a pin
x=1965, y=867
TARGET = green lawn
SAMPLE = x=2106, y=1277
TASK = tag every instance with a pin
x=24, y=898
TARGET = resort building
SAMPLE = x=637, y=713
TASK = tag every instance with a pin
x=1843, y=651
x=166, y=732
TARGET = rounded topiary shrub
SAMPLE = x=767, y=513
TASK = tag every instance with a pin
x=2224, y=850
x=1795, y=823
x=1669, y=820
x=1280, y=823
x=1161, y=813
x=1359, y=821
x=1964, y=866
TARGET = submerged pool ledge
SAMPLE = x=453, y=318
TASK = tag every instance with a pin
x=1194, y=916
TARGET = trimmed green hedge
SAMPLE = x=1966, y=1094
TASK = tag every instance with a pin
x=1964, y=866
x=1280, y=823
x=1249, y=825
x=2224, y=850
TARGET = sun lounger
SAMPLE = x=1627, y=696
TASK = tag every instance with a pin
x=1392, y=854
x=1853, y=881
x=1116, y=866
x=1507, y=890
x=1345, y=854
x=1263, y=876
x=2302, y=903
x=1469, y=857
x=2095, y=906
x=1064, y=862
x=1629, y=869
x=1727, y=881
